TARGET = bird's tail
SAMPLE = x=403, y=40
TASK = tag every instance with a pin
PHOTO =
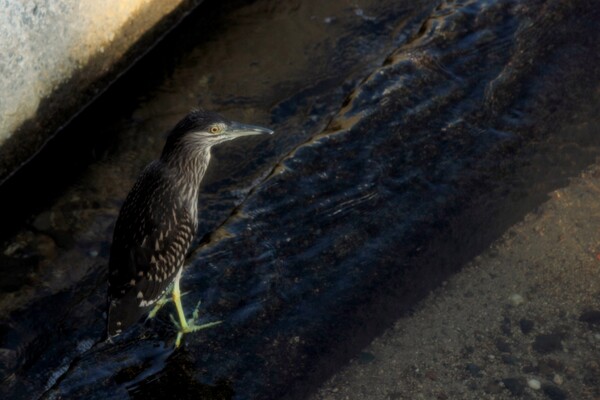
x=123, y=313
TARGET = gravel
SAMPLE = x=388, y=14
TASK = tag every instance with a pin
x=520, y=321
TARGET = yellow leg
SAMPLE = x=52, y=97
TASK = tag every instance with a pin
x=184, y=325
x=163, y=300
x=177, y=300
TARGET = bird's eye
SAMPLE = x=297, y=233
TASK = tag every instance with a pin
x=215, y=129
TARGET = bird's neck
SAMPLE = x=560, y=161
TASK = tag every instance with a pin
x=188, y=165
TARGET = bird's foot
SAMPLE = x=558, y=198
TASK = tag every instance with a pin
x=193, y=328
x=190, y=325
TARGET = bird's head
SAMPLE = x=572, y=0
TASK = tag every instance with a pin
x=204, y=129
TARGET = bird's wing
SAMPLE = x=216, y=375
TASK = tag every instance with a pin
x=151, y=238
x=160, y=254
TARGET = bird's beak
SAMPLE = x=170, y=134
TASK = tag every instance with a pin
x=236, y=129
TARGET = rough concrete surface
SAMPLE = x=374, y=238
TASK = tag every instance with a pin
x=522, y=320
x=53, y=55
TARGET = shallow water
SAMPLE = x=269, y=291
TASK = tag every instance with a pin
x=407, y=137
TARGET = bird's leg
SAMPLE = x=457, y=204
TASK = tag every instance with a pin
x=163, y=300
x=166, y=298
x=185, y=326
x=157, y=307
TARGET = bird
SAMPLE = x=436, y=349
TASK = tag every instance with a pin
x=158, y=221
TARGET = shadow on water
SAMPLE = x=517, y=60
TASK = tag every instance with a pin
x=408, y=137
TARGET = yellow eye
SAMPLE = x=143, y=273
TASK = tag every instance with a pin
x=215, y=129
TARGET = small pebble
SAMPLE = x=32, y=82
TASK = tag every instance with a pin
x=593, y=365
x=555, y=364
x=516, y=386
x=502, y=346
x=493, y=387
x=474, y=369
x=557, y=379
x=530, y=369
x=506, y=327
x=431, y=375
x=509, y=359
x=43, y=221
x=516, y=299
x=591, y=317
x=365, y=357
x=534, y=384
x=526, y=325
x=554, y=393
x=12, y=248
x=548, y=343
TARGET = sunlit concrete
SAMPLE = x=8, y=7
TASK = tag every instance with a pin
x=45, y=42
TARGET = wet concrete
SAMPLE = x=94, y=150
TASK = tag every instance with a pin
x=408, y=138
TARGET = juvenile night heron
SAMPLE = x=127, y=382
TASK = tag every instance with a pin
x=158, y=221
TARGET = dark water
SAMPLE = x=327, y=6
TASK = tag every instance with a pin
x=408, y=136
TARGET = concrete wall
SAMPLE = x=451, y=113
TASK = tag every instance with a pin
x=58, y=55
